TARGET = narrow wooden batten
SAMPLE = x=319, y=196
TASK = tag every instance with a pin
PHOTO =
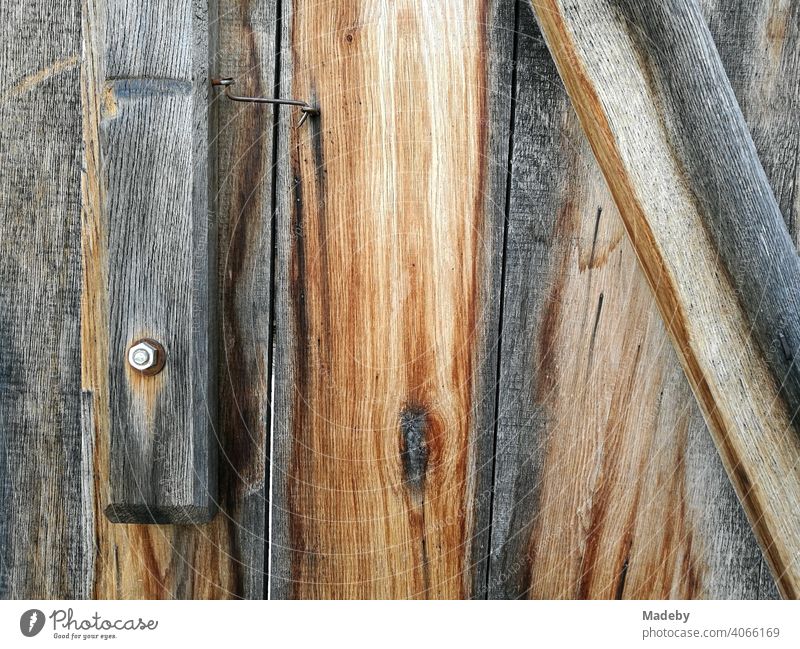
x=155, y=140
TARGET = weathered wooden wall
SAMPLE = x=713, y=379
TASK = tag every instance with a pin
x=387, y=478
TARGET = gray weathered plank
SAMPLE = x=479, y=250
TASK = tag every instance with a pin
x=155, y=147
x=152, y=40
x=247, y=33
x=44, y=536
x=664, y=124
x=500, y=29
x=759, y=44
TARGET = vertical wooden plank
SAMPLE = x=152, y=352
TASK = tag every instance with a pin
x=500, y=74
x=597, y=392
x=143, y=561
x=390, y=214
x=43, y=535
x=154, y=135
x=247, y=52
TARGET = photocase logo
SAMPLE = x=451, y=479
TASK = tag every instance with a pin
x=31, y=622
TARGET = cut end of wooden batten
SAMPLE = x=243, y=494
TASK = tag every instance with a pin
x=161, y=515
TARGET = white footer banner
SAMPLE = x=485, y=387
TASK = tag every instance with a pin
x=406, y=625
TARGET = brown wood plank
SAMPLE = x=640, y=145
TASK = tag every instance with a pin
x=660, y=116
x=223, y=559
x=390, y=210
x=45, y=542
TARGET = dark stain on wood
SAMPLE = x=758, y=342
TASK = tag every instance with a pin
x=298, y=553
x=597, y=313
x=414, y=446
x=298, y=294
x=594, y=236
x=241, y=404
x=414, y=452
x=623, y=575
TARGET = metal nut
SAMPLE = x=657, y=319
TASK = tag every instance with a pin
x=146, y=356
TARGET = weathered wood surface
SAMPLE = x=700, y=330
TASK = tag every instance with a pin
x=224, y=558
x=589, y=385
x=658, y=111
x=759, y=44
x=247, y=52
x=61, y=545
x=45, y=543
x=390, y=211
x=154, y=139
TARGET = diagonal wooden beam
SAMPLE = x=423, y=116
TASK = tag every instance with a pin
x=651, y=94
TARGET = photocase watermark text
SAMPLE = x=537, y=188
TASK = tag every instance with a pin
x=65, y=620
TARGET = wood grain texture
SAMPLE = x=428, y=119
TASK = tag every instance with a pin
x=45, y=542
x=390, y=214
x=658, y=111
x=589, y=386
x=54, y=540
x=154, y=136
x=216, y=560
x=247, y=52
x=759, y=44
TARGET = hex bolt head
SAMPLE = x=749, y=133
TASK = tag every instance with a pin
x=146, y=356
